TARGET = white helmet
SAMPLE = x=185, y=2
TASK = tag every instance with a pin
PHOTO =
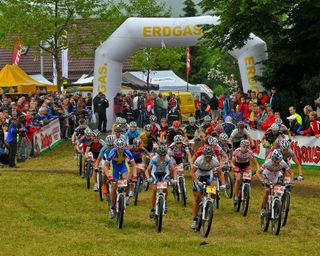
x=110, y=140
x=223, y=136
x=119, y=143
x=284, y=144
x=178, y=138
x=207, y=118
x=274, y=127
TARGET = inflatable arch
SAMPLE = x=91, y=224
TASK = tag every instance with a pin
x=137, y=33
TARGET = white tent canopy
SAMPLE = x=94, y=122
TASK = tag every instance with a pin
x=40, y=78
x=84, y=79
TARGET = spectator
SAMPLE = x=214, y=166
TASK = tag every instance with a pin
x=317, y=104
x=314, y=127
x=269, y=120
x=274, y=99
x=165, y=107
x=159, y=106
x=265, y=98
x=214, y=104
x=298, y=118
x=204, y=104
x=117, y=105
x=243, y=108
x=306, y=121
x=12, y=142
x=135, y=105
x=226, y=106
x=261, y=117
x=294, y=126
x=102, y=106
x=253, y=98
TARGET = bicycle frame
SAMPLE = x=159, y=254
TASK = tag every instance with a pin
x=206, y=197
x=245, y=179
x=276, y=192
x=161, y=187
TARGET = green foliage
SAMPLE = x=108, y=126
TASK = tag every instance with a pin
x=189, y=8
x=220, y=89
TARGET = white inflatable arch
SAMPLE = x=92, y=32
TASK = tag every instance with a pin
x=138, y=33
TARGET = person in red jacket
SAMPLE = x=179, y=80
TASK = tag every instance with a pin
x=314, y=127
x=269, y=121
x=30, y=131
x=265, y=98
x=243, y=108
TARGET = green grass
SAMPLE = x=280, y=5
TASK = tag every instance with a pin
x=45, y=209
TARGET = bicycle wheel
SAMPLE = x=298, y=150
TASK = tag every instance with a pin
x=206, y=222
x=120, y=212
x=159, y=214
x=80, y=164
x=182, y=191
x=175, y=192
x=246, y=199
x=137, y=190
x=285, y=207
x=108, y=194
x=199, y=218
x=229, y=185
x=265, y=220
x=99, y=181
x=238, y=204
x=276, y=221
x=88, y=174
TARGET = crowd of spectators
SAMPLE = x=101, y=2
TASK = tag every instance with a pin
x=22, y=116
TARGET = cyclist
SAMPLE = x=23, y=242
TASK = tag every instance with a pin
x=225, y=145
x=239, y=134
x=272, y=171
x=178, y=150
x=117, y=158
x=206, y=123
x=82, y=145
x=163, y=129
x=118, y=133
x=228, y=126
x=173, y=131
x=214, y=143
x=147, y=138
x=138, y=151
x=94, y=148
x=78, y=133
x=123, y=125
x=211, y=129
x=203, y=171
x=161, y=167
x=132, y=133
x=271, y=135
x=288, y=154
x=116, y=124
x=155, y=127
x=191, y=131
x=241, y=163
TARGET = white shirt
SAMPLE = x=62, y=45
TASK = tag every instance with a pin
x=135, y=103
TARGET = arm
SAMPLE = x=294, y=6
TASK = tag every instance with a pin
x=297, y=162
x=193, y=174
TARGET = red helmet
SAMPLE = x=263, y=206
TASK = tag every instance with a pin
x=176, y=123
x=241, y=125
x=219, y=129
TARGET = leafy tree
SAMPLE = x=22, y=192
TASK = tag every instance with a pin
x=189, y=8
x=46, y=21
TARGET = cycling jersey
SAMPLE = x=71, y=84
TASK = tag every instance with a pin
x=287, y=155
x=211, y=131
x=203, y=166
x=118, y=161
x=95, y=148
x=104, y=152
x=147, y=141
x=178, y=152
x=137, y=154
x=84, y=143
x=131, y=135
x=164, y=131
x=155, y=129
x=283, y=129
x=237, y=136
x=79, y=131
x=240, y=157
x=172, y=133
x=228, y=128
x=273, y=171
x=190, y=131
x=160, y=166
x=270, y=136
x=216, y=149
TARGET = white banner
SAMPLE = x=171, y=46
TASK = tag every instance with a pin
x=64, y=62
x=54, y=71
x=307, y=149
x=46, y=137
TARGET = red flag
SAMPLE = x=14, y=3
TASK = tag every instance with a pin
x=188, y=63
x=16, y=53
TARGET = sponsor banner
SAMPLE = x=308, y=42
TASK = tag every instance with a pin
x=307, y=149
x=46, y=137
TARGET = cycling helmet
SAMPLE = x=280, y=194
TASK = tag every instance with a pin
x=240, y=125
x=88, y=132
x=228, y=119
x=123, y=121
x=110, y=140
x=119, y=143
x=162, y=150
x=208, y=151
x=274, y=127
x=178, y=138
x=276, y=155
x=211, y=141
x=284, y=144
x=148, y=127
x=223, y=136
x=176, y=123
x=192, y=119
x=118, y=120
x=118, y=129
x=207, y=118
x=278, y=121
x=137, y=142
x=153, y=118
x=133, y=124
x=219, y=129
x=244, y=143
x=96, y=133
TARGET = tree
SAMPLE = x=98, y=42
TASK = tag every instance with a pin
x=291, y=30
x=47, y=24
x=189, y=8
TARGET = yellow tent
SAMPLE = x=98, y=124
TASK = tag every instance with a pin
x=13, y=80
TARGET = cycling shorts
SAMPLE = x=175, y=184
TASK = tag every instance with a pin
x=160, y=176
x=203, y=178
x=242, y=167
x=178, y=160
x=119, y=169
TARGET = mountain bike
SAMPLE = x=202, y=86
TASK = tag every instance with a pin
x=79, y=162
x=99, y=182
x=244, y=193
x=160, y=210
x=140, y=182
x=286, y=200
x=180, y=189
x=229, y=181
x=88, y=169
x=121, y=201
x=206, y=209
x=273, y=209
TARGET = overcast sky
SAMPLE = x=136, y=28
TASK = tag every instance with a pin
x=176, y=6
